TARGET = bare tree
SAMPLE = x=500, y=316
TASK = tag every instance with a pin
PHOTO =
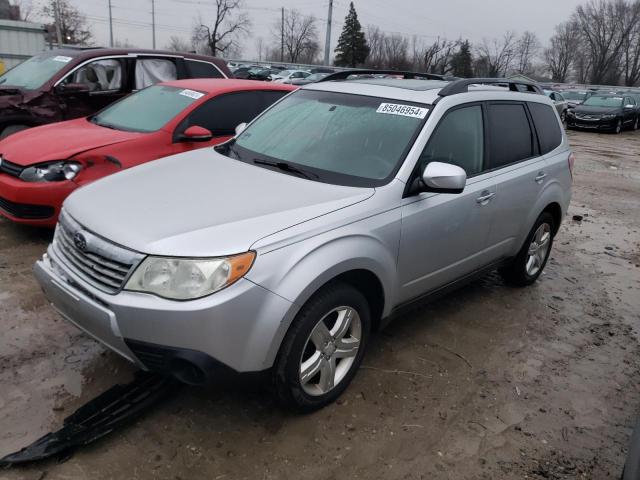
x=438, y=56
x=221, y=38
x=260, y=48
x=178, y=44
x=19, y=10
x=73, y=24
x=376, y=41
x=604, y=25
x=526, y=50
x=562, y=51
x=631, y=56
x=496, y=56
x=300, y=37
x=396, y=50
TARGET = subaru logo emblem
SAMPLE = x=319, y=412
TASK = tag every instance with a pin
x=80, y=241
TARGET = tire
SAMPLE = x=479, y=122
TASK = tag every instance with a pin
x=635, y=124
x=11, y=129
x=563, y=118
x=333, y=305
x=618, y=127
x=520, y=272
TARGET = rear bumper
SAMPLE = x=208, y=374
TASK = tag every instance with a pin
x=32, y=203
x=238, y=328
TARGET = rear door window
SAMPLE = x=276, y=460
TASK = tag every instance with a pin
x=150, y=71
x=221, y=115
x=198, y=69
x=509, y=134
x=458, y=139
x=547, y=126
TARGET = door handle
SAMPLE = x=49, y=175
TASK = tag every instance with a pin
x=485, y=197
x=541, y=176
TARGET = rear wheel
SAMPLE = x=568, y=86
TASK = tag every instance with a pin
x=528, y=265
x=11, y=129
x=323, y=348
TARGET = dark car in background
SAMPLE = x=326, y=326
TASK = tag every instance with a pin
x=608, y=112
x=64, y=84
x=313, y=78
x=575, y=97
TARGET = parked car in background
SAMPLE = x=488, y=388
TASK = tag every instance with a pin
x=41, y=166
x=263, y=74
x=575, y=97
x=64, y=84
x=314, y=77
x=559, y=102
x=609, y=112
x=281, y=250
x=286, y=76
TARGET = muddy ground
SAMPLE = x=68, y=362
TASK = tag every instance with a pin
x=491, y=382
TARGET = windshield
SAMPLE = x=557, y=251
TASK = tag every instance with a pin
x=574, y=95
x=147, y=110
x=341, y=138
x=601, y=101
x=33, y=73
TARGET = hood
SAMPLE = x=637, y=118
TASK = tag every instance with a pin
x=202, y=204
x=59, y=141
x=588, y=110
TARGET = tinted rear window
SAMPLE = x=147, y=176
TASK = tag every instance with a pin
x=510, y=137
x=546, y=122
x=202, y=70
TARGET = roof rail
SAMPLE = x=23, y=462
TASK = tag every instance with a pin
x=462, y=86
x=406, y=75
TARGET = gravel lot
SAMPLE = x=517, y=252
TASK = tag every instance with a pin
x=491, y=382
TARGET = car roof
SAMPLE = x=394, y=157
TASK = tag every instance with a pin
x=224, y=85
x=419, y=91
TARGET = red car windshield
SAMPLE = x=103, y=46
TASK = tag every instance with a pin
x=147, y=110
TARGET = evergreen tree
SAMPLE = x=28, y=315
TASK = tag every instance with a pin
x=462, y=61
x=352, y=48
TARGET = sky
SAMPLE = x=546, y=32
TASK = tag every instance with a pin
x=472, y=19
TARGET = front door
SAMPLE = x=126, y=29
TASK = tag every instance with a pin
x=444, y=236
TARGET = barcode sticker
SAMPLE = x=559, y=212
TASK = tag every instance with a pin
x=403, y=110
x=192, y=94
x=62, y=58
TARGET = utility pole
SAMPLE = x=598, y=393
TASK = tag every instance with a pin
x=56, y=14
x=153, y=22
x=110, y=26
x=282, y=37
x=327, y=42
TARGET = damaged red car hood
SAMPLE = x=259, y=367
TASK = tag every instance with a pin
x=60, y=141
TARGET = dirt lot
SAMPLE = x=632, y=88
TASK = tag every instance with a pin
x=489, y=383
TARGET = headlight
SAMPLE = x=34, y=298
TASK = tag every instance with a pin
x=51, y=172
x=188, y=279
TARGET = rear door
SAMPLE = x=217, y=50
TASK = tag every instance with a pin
x=444, y=236
x=150, y=70
x=518, y=168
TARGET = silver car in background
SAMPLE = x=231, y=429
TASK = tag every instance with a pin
x=283, y=249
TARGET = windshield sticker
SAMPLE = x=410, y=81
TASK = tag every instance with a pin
x=192, y=94
x=62, y=58
x=403, y=110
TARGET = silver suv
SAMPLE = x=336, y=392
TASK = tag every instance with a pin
x=283, y=249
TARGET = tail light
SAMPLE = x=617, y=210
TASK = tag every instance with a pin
x=572, y=161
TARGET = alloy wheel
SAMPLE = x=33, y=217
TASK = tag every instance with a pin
x=330, y=350
x=538, y=249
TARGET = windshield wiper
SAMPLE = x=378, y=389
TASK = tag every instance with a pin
x=286, y=167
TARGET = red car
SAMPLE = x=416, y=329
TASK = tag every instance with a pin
x=39, y=167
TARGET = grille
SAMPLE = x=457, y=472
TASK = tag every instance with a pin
x=10, y=168
x=26, y=211
x=103, y=264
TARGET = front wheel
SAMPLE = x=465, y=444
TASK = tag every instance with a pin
x=635, y=124
x=323, y=348
x=618, y=127
x=527, y=266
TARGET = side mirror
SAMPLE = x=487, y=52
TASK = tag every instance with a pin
x=73, y=89
x=444, y=178
x=241, y=128
x=196, y=133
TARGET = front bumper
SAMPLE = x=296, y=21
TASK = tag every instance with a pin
x=592, y=124
x=239, y=327
x=35, y=204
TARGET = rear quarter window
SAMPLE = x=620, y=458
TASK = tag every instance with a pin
x=547, y=126
x=510, y=136
x=202, y=69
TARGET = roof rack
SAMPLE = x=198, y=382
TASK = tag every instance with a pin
x=462, y=86
x=406, y=75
